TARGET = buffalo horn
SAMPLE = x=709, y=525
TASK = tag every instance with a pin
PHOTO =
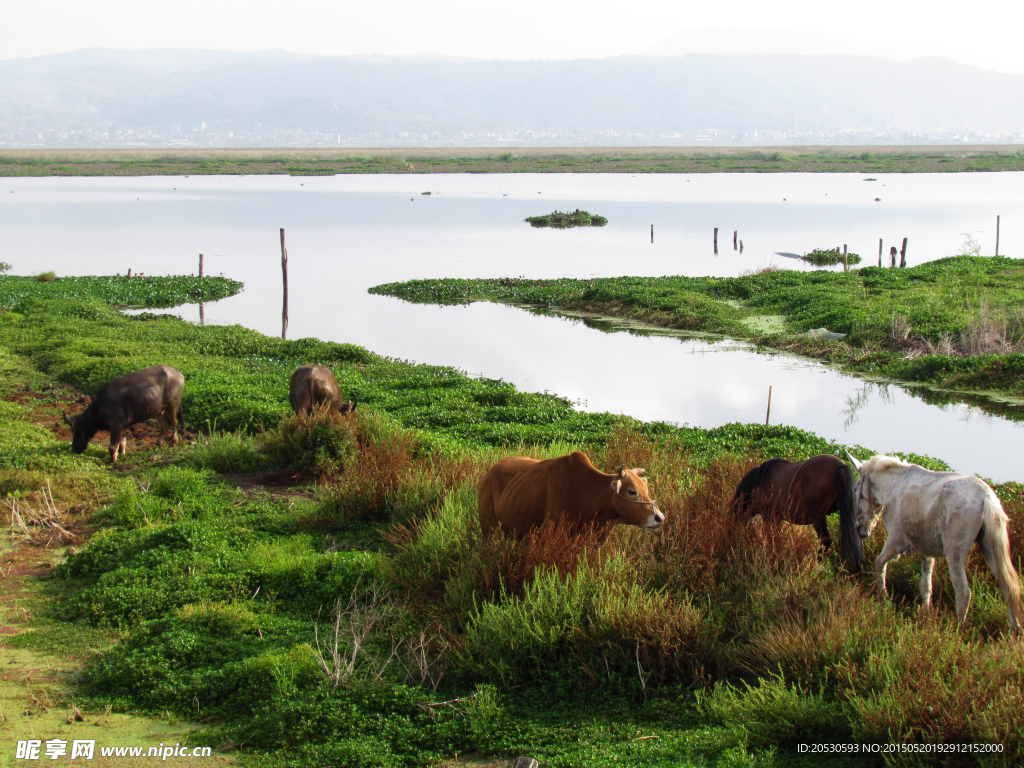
x=68, y=421
x=622, y=468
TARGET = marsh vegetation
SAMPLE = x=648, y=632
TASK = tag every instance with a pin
x=315, y=589
x=956, y=322
x=567, y=219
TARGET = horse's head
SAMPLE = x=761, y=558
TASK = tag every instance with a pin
x=870, y=505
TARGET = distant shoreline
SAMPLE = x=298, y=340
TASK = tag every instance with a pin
x=319, y=161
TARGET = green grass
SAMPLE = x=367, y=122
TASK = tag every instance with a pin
x=940, y=311
x=119, y=291
x=710, y=644
x=560, y=220
x=827, y=257
x=318, y=162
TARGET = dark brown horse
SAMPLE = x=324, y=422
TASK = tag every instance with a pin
x=805, y=493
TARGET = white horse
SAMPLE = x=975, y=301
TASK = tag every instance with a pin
x=939, y=514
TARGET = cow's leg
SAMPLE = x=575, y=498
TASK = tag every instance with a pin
x=894, y=547
x=173, y=416
x=116, y=441
x=161, y=427
x=927, y=564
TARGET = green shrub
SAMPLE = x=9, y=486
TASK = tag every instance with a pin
x=322, y=442
x=774, y=713
x=45, y=277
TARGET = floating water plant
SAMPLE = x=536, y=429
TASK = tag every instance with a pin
x=562, y=220
x=822, y=258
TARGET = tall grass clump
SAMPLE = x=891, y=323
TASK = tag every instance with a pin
x=321, y=442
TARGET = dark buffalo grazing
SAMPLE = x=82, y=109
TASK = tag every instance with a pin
x=127, y=400
x=314, y=385
x=805, y=493
x=518, y=494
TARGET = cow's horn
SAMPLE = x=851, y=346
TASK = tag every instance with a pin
x=68, y=421
x=856, y=464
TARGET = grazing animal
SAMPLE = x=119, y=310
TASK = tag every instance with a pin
x=127, y=400
x=518, y=494
x=939, y=514
x=805, y=493
x=313, y=385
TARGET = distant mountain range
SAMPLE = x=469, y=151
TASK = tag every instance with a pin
x=108, y=97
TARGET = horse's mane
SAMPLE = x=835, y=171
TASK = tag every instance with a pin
x=754, y=479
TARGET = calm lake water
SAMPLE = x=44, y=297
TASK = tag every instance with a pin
x=347, y=233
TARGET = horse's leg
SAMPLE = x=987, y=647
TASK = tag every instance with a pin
x=894, y=547
x=927, y=564
x=958, y=575
x=821, y=527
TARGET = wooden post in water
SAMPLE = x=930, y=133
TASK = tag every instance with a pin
x=202, y=314
x=200, y=266
x=716, y=241
x=768, y=415
x=652, y=233
x=846, y=265
x=879, y=251
x=997, y=235
x=284, y=278
x=903, y=254
x=734, y=233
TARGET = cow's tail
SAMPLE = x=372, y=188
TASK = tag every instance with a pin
x=995, y=543
x=850, y=542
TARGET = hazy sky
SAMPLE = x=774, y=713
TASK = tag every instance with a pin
x=983, y=32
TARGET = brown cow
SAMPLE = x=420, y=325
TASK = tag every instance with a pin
x=519, y=493
x=313, y=385
x=127, y=400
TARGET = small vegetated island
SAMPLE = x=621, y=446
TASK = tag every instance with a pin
x=955, y=323
x=316, y=591
x=560, y=220
x=825, y=257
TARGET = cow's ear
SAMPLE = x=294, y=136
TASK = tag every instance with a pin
x=639, y=471
x=616, y=485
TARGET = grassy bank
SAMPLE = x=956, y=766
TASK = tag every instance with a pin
x=314, y=162
x=956, y=323
x=203, y=588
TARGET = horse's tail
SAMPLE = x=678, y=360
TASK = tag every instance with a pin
x=751, y=481
x=849, y=540
x=995, y=543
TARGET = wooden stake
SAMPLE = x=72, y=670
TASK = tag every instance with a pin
x=129, y=272
x=769, y=413
x=997, y=235
x=734, y=233
x=284, y=278
x=716, y=241
x=879, y=251
x=652, y=233
x=846, y=264
x=202, y=314
x=200, y=266
x=903, y=254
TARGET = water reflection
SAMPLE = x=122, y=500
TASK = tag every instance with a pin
x=348, y=233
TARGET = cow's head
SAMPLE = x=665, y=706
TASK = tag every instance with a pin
x=81, y=431
x=632, y=500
